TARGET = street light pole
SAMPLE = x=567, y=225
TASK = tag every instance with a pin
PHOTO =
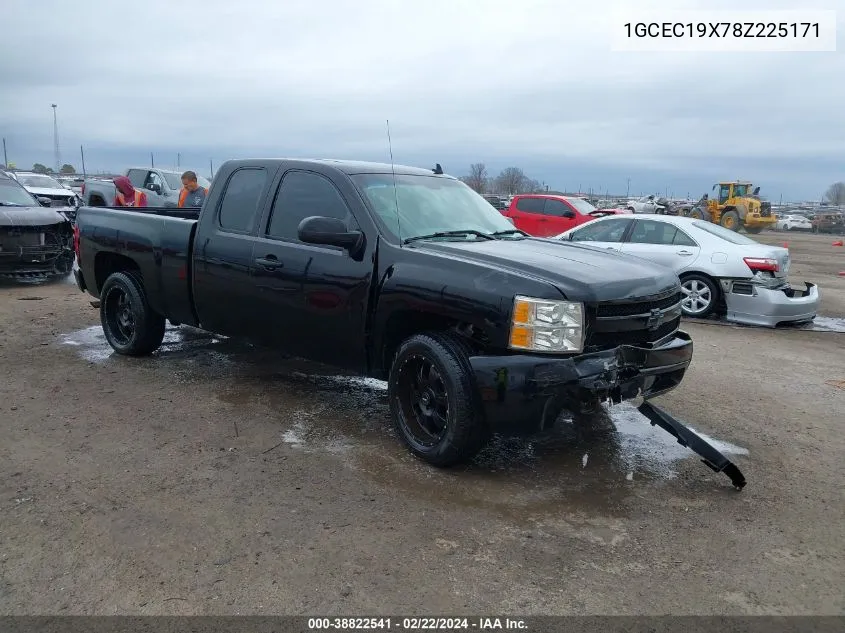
x=628, y=190
x=56, y=139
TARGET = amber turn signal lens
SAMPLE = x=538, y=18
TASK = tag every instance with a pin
x=520, y=337
x=522, y=312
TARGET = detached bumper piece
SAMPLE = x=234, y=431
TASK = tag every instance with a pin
x=711, y=457
x=755, y=304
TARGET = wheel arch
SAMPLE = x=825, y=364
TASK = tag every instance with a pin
x=717, y=283
x=402, y=324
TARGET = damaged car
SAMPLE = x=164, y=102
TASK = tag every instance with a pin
x=35, y=242
x=721, y=271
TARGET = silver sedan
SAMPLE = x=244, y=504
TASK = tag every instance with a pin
x=720, y=270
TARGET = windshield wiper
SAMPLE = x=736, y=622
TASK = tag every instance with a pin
x=461, y=233
x=510, y=232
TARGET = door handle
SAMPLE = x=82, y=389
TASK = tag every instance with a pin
x=684, y=253
x=271, y=262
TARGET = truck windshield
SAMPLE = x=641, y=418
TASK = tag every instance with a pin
x=43, y=182
x=583, y=207
x=429, y=204
x=12, y=194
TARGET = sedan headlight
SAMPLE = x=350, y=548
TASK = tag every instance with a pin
x=543, y=325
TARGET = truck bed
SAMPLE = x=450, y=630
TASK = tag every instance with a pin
x=158, y=240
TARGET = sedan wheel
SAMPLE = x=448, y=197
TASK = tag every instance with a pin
x=698, y=296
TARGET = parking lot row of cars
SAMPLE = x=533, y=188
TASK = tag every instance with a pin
x=828, y=221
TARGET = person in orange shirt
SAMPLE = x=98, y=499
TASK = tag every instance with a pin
x=192, y=195
x=126, y=195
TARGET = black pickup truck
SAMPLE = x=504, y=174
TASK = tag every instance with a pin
x=402, y=274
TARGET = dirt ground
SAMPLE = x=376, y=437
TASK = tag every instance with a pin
x=217, y=479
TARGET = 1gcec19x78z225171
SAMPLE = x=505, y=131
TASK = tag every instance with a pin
x=401, y=274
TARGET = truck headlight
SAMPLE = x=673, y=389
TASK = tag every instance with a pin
x=543, y=325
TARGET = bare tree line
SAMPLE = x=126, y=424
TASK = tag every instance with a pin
x=836, y=193
x=510, y=181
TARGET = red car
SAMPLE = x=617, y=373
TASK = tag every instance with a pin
x=546, y=215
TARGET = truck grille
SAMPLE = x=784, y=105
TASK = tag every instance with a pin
x=766, y=209
x=635, y=322
x=33, y=244
x=637, y=307
x=606, y=340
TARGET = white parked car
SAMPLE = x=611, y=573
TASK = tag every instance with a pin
x=42, y=186
x=794, y=223
x=646, y=204
x=716, y=266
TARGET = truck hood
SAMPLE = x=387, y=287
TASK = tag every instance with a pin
x=49, y=191
x=29, y=216
x=580, y=272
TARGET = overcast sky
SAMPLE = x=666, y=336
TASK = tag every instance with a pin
x=527, y=83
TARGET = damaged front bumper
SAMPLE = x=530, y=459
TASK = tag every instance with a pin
x=522, y=394
x=35, y=252
x=757, y=304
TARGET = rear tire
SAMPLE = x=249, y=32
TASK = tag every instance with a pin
x=131, y=326
x=700, y=295
x=433, y=400
x=754, y=230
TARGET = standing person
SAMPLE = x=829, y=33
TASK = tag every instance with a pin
x=126, y=195
x=192, y=195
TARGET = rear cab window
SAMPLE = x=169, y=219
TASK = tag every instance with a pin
x=137, y=177
x=239, y=205
x=530, y=205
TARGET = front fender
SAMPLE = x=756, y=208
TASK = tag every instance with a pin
x=411, y=295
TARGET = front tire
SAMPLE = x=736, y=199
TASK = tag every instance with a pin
x=754, y=230
x=433, y=400
x=131, y=326
x=730, y=220
x=700, y=296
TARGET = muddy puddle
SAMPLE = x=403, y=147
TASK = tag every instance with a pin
x=595, y=461
x=92, y=346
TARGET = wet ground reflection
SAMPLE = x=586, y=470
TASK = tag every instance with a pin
x=596, y=460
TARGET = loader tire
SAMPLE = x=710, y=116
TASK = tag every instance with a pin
x=730, y=220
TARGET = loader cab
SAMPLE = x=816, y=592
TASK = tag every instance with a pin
x=730, y=190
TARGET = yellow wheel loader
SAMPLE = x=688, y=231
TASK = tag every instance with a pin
x=736, y=208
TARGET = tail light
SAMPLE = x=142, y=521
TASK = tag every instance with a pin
x=76, y=240
x=764, y=264
x=82, y=189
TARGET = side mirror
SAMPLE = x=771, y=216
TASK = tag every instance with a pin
x=569, y=214
x=329, y=232
x=44, y=201
x=154, y=188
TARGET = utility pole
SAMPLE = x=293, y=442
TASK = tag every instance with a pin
x=5, y=158
x=82, y=155
x=178, y=160
x=211, y=168
x=152, y=161
x=628, y=190
x=56, y=156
